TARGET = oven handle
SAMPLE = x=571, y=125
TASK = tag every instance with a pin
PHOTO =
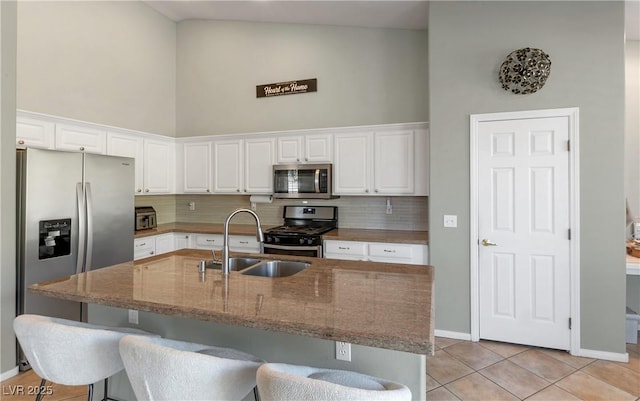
x=294, y=247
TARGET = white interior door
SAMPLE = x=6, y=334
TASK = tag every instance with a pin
x=524, y=251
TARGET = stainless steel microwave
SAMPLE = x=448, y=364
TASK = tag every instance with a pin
x=313, y=181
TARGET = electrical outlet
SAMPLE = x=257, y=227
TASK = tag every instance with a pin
x=451, y=220
x=343, y=351
x=192, y=206
x=133, y=316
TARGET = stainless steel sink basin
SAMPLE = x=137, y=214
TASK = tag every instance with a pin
x=276, y=268
x=234, y=263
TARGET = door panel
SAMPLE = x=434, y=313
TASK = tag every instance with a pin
x=524, y=266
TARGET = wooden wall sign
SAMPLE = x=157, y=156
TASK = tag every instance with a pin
x=287, y=88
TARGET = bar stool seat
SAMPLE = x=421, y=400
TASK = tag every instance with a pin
x=69, y=352
x=284, y=382
x=163, y=369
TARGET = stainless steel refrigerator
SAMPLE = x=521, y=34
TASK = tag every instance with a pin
x=75, y=213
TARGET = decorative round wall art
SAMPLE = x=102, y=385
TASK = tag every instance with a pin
x=525, y=71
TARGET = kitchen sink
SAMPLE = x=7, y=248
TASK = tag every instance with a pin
x=276, y=268
x=235, y=264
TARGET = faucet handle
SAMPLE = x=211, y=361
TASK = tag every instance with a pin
x=213, y=252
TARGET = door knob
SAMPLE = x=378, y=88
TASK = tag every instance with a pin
x=486, y=242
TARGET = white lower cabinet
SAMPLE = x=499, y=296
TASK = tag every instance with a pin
x=415, y=254
x=144, y=247
x=208, y=241
x=243, y=243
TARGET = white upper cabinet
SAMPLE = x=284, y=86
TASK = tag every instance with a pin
x=227, y=170
x=376, y=163
x=80, y=139
x=155, y=161
x=259, y=157
x=352, y=164
x=31, y=132
x=393, y=163
x=158, y=166
x=243, y=166
x=310, y=148
x=197, y=167
x=126, y=145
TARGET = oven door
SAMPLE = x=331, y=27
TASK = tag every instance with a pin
x=296, y=250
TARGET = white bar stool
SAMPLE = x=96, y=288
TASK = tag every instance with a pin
x=163, y=369
x=283, y=382
x=71, y=353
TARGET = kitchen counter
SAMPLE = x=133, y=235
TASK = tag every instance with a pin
x=342, y=234
x=373, y=304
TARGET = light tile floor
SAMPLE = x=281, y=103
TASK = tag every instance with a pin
x=462, y=370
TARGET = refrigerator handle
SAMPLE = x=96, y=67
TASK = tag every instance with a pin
x=81, y=228
x=89, y=200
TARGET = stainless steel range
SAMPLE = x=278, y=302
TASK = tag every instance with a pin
x=302, y=231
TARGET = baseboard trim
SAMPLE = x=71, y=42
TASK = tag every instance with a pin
x=608, y=356
x=456, y=335
x=9, y=374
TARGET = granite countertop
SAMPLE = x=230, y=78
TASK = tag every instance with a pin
x=341, y=234
x=373, y=304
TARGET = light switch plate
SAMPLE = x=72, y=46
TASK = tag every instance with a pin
x=133, y=316
x=450, y=220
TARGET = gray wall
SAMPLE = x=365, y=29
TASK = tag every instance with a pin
x=467, y=43
x=365, y=76
x=110, y=62
x=7, y=189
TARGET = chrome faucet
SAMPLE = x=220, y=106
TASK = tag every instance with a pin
x=225, y=240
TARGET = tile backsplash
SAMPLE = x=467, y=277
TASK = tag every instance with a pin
x=409, y=213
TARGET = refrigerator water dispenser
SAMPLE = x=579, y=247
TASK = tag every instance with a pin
x=55, y=238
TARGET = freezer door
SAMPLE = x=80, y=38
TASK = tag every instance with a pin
x=110, y=209
x=47, y=226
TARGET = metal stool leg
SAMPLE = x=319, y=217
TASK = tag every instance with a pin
x=90, y=395
x=256, y=394
x=41, y=390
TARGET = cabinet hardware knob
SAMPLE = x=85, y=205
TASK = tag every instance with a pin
x=146, y=190
x=298, y=159
x=366, y=190
x=238, y=190
x=138, y=190
x=81, y=147
x=21, y=142
x=306, y=159
x=376, y=191
x=208, y=190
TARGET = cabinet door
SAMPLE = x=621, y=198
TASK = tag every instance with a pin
x=159, y=161
x=128, y=146
x=182, y=241
x=290, y=149
x=197, y=167
x=79, y=138
x=393, y=163
x=34, y=133
x=352, y=164
x=227, y=172
x=165, y=243
x=243, y=243
x=258, y=165
x=318, y=148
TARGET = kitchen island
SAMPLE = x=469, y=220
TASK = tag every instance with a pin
x=386, y=309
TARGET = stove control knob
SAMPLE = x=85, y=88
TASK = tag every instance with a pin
x=276, y=239
x=310, y=241
x=302, y=240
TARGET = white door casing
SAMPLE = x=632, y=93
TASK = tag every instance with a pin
x=524, y=199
